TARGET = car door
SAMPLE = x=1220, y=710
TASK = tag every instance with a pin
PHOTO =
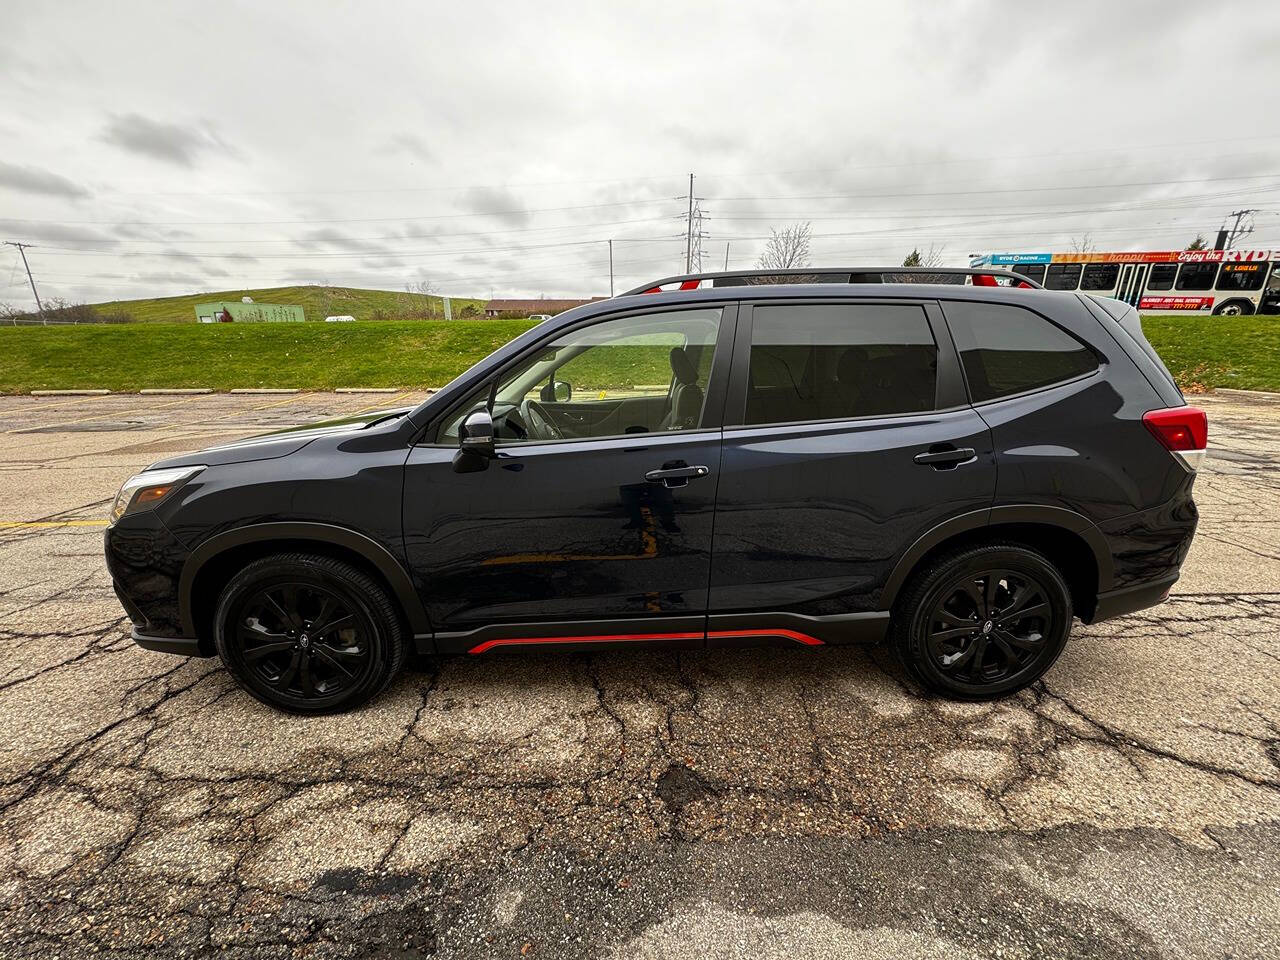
x=848, y=435
x=595, y=525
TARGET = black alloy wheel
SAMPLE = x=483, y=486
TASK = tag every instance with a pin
x=983, y=622
x=302, y=640
x=308, y=634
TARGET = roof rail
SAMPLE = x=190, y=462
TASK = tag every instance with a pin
x=982, y=277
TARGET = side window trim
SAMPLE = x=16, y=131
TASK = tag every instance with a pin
x=735, y=409
x=713, y=403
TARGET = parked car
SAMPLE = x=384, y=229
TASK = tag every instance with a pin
x=343, y=318
x=539, y=317
x=957, y=470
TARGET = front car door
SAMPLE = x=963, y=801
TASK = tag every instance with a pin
x=593, y=524
x=848, y=435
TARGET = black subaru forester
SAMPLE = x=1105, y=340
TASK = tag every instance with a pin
x=957, y=467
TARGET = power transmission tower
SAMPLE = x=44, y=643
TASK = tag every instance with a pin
x=1237, y=230
x=22, y=252
x=696, y=236
x=688, y=232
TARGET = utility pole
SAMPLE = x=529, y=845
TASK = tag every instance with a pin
x=726, y=255
x=1236, y=230
x=22, y=252
x=611, y=269
x=688, y=237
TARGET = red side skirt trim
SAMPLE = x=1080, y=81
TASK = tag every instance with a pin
x=795, y=635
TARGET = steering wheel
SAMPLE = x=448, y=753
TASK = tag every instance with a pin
x=541, y=426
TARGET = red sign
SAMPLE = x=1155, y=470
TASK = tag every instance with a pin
x=1175, y=303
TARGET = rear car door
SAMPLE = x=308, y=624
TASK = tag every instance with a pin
x=593, y=524
x=848, y=435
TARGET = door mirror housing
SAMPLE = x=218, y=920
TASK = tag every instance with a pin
x=557, y=391
x=475, y=443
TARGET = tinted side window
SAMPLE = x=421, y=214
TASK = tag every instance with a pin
x=1162, y=275
x=1063, y=276
x=838, y=361
x=1007, y=350
x=1100, y=276
x=1032, y=271
x=1242, y=276
x=1197, y=276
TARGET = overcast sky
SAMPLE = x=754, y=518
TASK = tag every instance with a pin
x=493, y=148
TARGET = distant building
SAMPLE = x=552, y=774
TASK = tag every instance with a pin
x=528, y=308
x=225, y=311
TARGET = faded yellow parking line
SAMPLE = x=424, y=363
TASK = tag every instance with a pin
x=44, y=524
x=387, y=404
x=105, y=416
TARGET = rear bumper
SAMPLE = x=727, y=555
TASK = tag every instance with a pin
x=1116, y=603
x=180, y=646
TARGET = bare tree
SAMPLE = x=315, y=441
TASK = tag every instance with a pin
x=786, y=249
x=424, y=286
x=1083, y=244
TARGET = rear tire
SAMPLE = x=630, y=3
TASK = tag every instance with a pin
x=309, y=634
x=982, y=622
x=1234, y=308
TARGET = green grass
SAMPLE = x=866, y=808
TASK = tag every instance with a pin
x=317, y=302
x=320, y=356
x=1203, y=352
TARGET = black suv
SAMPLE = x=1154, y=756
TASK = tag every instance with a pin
x=960, y=468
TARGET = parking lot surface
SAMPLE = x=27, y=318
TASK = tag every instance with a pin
x=764, y=803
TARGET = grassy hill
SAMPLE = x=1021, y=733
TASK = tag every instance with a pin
x=313, y=356
x=317, y=302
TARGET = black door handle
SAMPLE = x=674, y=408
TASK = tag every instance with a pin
x=676, y=476
x=946, y=458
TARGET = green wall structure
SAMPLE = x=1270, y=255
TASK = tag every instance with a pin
x=250, y=312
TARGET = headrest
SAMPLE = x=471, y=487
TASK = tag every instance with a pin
x=682, y=367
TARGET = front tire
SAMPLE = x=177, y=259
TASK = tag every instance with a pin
x=983, y=622
x=308, y=634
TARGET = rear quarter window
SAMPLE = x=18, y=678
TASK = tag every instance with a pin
x=1006, y=350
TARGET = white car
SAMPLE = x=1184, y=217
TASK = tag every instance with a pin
x=345, y=318
x=540, y=316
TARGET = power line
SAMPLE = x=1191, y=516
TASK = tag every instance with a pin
x=258, y=223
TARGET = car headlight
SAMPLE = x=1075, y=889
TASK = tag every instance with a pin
x=149, y=489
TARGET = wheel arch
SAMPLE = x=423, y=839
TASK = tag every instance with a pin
x=213, y=563
x=1055, y=531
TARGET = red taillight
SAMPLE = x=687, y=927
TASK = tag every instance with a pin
x=1183, y=431
x=1179, y=428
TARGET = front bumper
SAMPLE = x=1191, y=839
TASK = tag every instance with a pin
x=145, y=562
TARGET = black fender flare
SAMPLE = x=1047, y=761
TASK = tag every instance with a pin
x=1040, y=514
x=382, y=559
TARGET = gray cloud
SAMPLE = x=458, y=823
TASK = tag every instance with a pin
x=497, y=202
x=411, y=144
x=160, y=140
x=58, y=233
x=35, y=180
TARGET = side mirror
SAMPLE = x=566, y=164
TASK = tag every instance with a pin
x=475, y=443
x=557, y=391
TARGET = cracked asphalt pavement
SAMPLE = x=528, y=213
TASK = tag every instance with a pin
x=764, y=803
